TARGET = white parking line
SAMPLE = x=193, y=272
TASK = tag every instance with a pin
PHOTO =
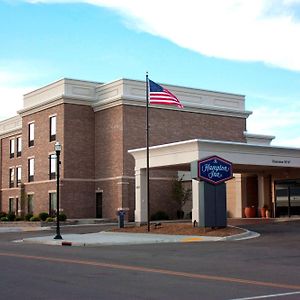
x=268, y=296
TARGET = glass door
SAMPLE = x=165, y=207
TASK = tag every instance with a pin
x=287, y=198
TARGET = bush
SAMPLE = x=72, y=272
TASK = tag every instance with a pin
x=43, y=216
x=28, y=217
x=11, y=216
x=62, y=217
x=34, y=219
x=160, y=215
x=4, y=219
x=19, y=218
x=3, y=214
x=50, y=219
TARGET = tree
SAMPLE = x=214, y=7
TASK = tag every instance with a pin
x=180, y=195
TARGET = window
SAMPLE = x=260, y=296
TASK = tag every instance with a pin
x=52, y=204
x=30, y=204
x=17, y=206
x=31, y=134
x=52, y=128
x=31, y=169
x=52, y=166
x=11, y=205
x=11, y=177
x=19, y=175
x=19, y=146
x=11, y=148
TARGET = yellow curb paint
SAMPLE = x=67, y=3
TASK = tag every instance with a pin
x=190, y=240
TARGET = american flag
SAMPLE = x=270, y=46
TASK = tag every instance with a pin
x=160, y=95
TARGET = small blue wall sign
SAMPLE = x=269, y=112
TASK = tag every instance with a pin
x=214, y=169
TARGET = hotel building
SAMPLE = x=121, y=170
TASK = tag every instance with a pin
x=101, y=127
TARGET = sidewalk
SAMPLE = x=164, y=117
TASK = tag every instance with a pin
x=104, y=238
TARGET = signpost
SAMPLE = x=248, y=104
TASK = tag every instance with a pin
x=212, y=172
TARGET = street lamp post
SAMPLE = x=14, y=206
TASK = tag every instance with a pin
x=57, y=148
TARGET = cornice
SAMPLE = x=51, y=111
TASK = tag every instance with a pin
x=136, y=101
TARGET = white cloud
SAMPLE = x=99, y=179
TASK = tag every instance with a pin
x=256, y=30
x=12, y=89
x=11, y=101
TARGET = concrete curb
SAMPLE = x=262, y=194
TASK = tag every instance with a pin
x=242, y=236
x=120, y=238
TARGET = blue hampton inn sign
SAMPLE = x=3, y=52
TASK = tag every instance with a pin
x=214, y=169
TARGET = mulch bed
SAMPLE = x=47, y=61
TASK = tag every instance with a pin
x=181, y=229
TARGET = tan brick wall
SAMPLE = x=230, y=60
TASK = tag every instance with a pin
x=109, y=143
x=42, y=146
x=78, y=199
x=40, y=199
x=79, y=148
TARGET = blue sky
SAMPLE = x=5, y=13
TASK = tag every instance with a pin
x=240, y=46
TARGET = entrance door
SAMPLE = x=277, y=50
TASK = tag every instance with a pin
x=287, y=198
x=99, y=205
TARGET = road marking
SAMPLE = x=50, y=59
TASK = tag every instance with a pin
x=268, y=296
x=157, y=271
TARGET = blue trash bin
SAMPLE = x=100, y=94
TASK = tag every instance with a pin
x=121, y=217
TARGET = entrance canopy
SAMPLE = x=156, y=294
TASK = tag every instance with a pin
x=240, y=154
x=246, y=158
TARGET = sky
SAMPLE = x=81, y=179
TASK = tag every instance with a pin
x=237, y=46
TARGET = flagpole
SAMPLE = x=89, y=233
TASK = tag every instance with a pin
x=147, y=152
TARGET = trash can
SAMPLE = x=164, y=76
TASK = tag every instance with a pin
x=121, y=217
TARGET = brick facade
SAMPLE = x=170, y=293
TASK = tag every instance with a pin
x=95, y=146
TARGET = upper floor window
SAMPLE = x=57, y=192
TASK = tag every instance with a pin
x=30, y=169
x=30, y=134
x=52, y=166
x=18, y=175
x=19, y=146
x=52, y=121
x=11, y=148
x=11, y=177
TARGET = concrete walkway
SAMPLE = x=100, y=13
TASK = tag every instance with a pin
x=120, y=238
x=103, y=238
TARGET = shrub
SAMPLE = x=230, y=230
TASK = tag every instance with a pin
x=19, y=218
x=11, y=216
x=4, y=219
x=62, y=217
x=3, y=214
x=28, y=217
x=43, y=216
x=160, y=215
x=34, y=219
x=50, y=219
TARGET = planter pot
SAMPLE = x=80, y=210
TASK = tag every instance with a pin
x=250, y=212
x=263, y=212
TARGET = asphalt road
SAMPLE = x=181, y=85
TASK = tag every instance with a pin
x=250, y=269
